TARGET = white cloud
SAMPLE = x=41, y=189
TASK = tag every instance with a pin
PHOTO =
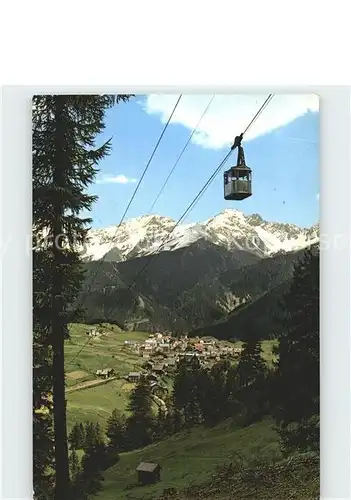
x=229, y=115
x=117, y=179
x=302, y=139
x=317, y=196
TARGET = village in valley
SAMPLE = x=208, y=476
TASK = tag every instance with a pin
x=160, y=354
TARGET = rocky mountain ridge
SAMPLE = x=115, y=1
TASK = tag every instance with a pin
x=230, y=229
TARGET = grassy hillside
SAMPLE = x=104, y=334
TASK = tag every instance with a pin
x=191, y=457
x=195, y=465
x=296, y=478
x=96, y=403
x=99, y=352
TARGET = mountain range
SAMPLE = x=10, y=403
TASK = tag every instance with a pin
x=150, y=274
x=230, y=229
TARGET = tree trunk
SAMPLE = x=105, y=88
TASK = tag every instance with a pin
x=58, y=326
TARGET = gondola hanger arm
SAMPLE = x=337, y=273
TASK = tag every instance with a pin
x=237, y=141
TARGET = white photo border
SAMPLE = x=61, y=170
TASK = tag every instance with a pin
x=16, y=195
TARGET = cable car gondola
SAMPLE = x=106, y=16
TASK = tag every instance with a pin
x=237, y=180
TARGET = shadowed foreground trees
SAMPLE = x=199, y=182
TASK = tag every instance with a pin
x=64, y=165
x=297, y=390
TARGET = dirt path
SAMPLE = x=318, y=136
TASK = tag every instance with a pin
x=89, y=383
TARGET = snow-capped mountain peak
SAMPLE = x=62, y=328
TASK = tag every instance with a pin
x=231, y=229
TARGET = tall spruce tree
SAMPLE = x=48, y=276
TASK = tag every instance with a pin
x=186, y=390
x=74, y=465
x=160, y=430
x=64, y=165
x=116, y=430
x=43, y=452
x=205, y=394
x=77, y=437
x=251, y=365
x=140, y=424
x=93, y=436
x=218, y=393
x=232, y=406
x=252, y=372
x=297, y=376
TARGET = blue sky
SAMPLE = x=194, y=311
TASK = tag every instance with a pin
x=281, y=148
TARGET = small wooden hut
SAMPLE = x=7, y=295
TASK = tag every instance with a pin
x=148, y=473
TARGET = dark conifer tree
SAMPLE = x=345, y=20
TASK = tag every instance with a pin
x=297, y=376
x=216, y=394
x=251, y=365
x=43, y=451
x=180, y=393
x=64, y=161
x=252, y=372
x=232, y=391
x=82, y=434
x=98, y=435
x=170, y=417
x=193, y=410
x=186, y=390
x=116, y=430
x=94, y=461
x=206, y=390
x=160, y=425
x=91, y=477
x=74, y=465
x=90, y=436
x=140, y=424
x=77, y=437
